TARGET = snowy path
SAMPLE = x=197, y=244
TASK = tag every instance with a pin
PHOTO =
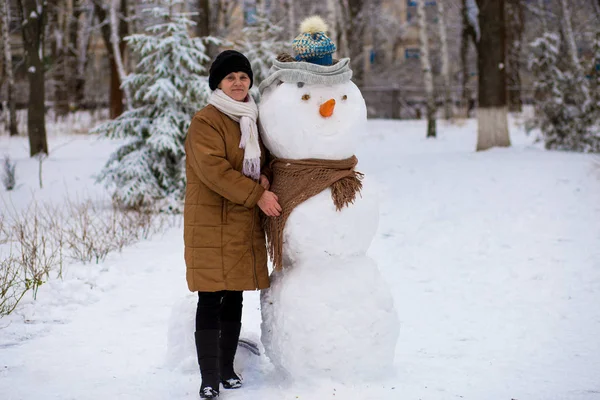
x=493, y=260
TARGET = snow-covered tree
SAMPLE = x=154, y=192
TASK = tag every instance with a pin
x=261, y=43
x=567, y=119
x=169, y=85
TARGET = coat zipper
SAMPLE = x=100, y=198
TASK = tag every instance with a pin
x=252, y=249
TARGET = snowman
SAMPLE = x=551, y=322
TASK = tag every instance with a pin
x=328, y=313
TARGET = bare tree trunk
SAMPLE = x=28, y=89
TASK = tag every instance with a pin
x=445, y=60
x=206, y=24
x=542, y=7
x=426, y=64
x=492, y=114
x=261, y=7
x=291, y=12
x=8, y=66
x=115, y=92
x=355, y=33
x=58, y=17
x=596, y=4
x=374, y=54
x=468, y=34
x=596, y=74
x=33, y=17
x=84, y=28
x=343, y=16
x=332, y=17
x=231, y=7
x=185, y=8
x=118, y=47
x=222, y=16
x=515, y=18
x=203, y=25
x=77, y=79
x=570, y=36
x=136, y=15
x=567, y=29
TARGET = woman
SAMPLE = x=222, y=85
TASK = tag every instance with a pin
x=225, y=251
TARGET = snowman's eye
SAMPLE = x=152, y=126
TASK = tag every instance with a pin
x=344, y=97
x=306, y=97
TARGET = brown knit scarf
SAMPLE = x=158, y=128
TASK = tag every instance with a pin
x=295, y=181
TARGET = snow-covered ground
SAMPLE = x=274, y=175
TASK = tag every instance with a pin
x=493, y=260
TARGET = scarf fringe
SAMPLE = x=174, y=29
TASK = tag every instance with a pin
x=344, y=191
x=251, y=168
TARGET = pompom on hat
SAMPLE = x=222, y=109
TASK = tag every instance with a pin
x=312, y=44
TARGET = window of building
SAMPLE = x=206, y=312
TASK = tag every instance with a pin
x=412, y=53
x=413, y=3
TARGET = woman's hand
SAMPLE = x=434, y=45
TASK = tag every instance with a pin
x=269, y=204
x=264, y=182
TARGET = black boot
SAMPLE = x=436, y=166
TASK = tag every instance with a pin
x=207, y=348
x=230, y=333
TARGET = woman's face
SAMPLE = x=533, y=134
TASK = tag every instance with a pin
x=236, y=85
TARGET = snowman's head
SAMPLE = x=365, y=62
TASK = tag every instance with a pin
x=312, y=120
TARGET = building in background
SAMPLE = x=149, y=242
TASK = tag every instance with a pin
x=389, y=54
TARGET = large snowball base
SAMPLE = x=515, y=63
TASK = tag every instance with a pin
x=330, y=318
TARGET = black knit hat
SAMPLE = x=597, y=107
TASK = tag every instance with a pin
x=227, y=62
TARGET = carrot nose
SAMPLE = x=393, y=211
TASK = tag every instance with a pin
x=326, y=109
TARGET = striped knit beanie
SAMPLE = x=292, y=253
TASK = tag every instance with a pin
x=312, y=44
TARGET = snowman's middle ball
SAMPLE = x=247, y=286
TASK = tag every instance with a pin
x=293, y=126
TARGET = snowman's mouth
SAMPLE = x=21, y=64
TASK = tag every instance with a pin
x=328, y=133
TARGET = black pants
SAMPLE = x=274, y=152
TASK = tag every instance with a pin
x=214, y=307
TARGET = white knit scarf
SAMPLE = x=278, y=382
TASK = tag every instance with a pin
x=246, y=113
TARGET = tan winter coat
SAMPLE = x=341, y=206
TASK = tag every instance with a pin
x=224, y=240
